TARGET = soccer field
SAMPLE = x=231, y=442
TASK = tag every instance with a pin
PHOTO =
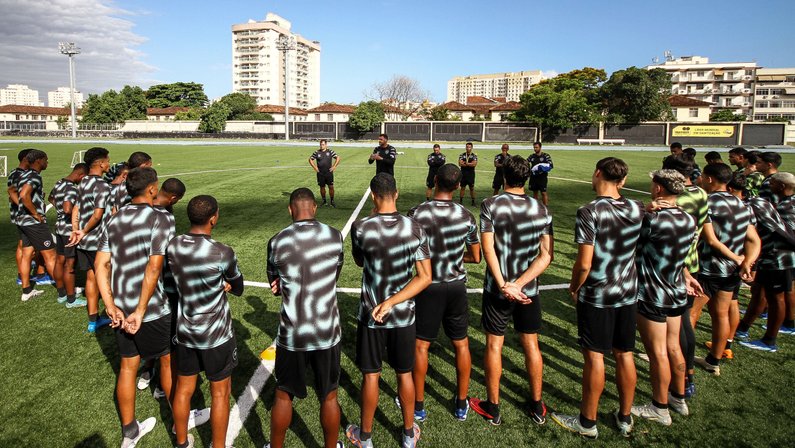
x=58, y=381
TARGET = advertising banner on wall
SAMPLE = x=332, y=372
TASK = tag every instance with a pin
x=703, y=131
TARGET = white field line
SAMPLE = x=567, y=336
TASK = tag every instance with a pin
x=469, y=290
x=347, y=229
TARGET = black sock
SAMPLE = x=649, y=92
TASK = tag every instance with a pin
x=419, y=405
x=743, y=327
x=71, y=298
x=729, y=344
x=677, y=395
x=769, y=341
x=622, y=418
x=691, y=377
x=27, y=290
x=537, y=406
x=93, y=317
x=460, y=403
x=587, y=423
x=61, y=292
x=183, y=445
x=711, y=360
x=130, y=430
x=408, y=432
x=365, y=435
x=659, y=405
x=789, y=323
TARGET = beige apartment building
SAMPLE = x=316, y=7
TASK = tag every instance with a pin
x=61, y=97
x=258, y=64
x=774, y=95
x=20, y=95
x=509, y=85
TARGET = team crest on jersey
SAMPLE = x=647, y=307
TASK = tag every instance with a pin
x=47, y=243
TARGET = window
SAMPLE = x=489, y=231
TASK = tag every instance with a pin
x=789, y=103
x=763, y=91
x=776, y=91
x=330, y=117
x=761, y=104
x=317, y=117
x=693, y=112
x=700, y=73
x=775, y=104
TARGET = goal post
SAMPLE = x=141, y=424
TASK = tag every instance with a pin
x=3, y=166
x=77, y=157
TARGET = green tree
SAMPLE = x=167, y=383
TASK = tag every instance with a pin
x=635, y=95
x=180, y=94
x=62, y=121
x=192, y=114
x=133, y=100
x=366, y=116
x=726, y=115
x=213, y=119
x=115, y=107
x=438, y=113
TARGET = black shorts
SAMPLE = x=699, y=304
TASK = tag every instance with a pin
x=324, y=179
x=442, y=304
x=290, y=371
x=467, y=178
x=539, y=182
x=658, y=314
x=774, y=281
x=23, y=238
x=711, y=285
x=152, y=340
x=217, y=362
x=62, y=249
x=429, y=181
x=604, y=329
x=497, y=182
x=85, y=259
x=398, y=342
x=497, y=312
x=37, y=235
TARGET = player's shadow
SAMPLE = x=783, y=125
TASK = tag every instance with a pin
x=93, y=441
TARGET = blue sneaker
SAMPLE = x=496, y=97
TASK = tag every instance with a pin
x=786, y=330
x=101, y=322
x=43, y=279
x=741, y=335
x=759, y=345
x=763, y=315
x=78, y=303
x=461, y=413
x=419, y=416
x=19, y=281
x=690, y=389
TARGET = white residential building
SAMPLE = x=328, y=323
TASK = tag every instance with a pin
x=509, y=85
x=20, y=95
x=725, y=85
x=774, y=97
x=258, y=65
x=61, y=97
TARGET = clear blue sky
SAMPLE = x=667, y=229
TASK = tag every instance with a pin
x=368, y=41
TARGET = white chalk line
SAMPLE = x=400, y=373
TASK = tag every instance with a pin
x=469, y=290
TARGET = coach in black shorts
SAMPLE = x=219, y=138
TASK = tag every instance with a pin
x=468, y=161
x=384, y=155
x=389, y=247
x=129, y=262
x=499, y=160
x=435, y=161
x=304, y=262
x=516, y=231
x=540, y=166
x=321, y=161
x=453, y=240
x=204, y=270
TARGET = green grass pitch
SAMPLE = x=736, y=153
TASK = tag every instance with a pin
x=58, y=381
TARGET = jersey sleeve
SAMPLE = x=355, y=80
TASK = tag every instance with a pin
x=161, y=235
x=102, y=196
x=104, y=244
x=547, y=230
x=549, y=161
x=356, y=247
x=423, y=251
x=272, y=269
x=332, y=154
x=474, y=157
x=229, y=265
x=486, y=224
x=70, y=194
x=313, y=156
x=585, y=227
x=472, y=237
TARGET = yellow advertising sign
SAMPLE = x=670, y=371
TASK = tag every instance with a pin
x=703, y=131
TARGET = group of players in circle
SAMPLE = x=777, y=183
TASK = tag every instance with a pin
x=648, y=268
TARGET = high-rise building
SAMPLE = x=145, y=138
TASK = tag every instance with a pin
x=20, y=95
x=258, y=65
x=774, y=97
x=726, y=85
x=509, y=85
x=61, y=97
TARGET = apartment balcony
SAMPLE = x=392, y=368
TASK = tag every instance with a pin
x=729, y=79
x=730, y=92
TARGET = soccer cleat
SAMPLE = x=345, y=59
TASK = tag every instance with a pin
x=461, y=413
x=144, y=428
x=62, y=299
x=481, y=407
x=653, y=413
x=324, y=203
x=727, y=354
x=690, y=390
x=19, y=281
x=411, y=441
x=43, y=279
x=190, y=441
x=158, y=393
x=419, y=416
x=763, y=315
x=572, y=423
x=786, y=330
x=99, y=323
x=759, y=345
x=702, y=362
x=78, y=303
x=333, y=204
x=145, y=379
x=678, y=405
x=197, y=417
x=741, y=335
x=79, y=291
x=31, y=294
x=623, y=427
x=352, y=432
x=539, y=419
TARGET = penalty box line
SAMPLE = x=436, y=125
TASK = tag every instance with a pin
x=245, y=403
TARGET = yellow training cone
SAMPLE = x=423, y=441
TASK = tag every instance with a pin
x=269, y=354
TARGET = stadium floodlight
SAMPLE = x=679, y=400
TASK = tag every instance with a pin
x=70, y=49
x=285, y=43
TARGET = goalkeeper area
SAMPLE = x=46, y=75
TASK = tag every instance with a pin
x=58, y=381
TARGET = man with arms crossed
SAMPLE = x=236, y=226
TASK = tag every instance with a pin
x=435, y=160
x=453, y=240
x=204, y=270
x=304, y=263
x=516, y=231
x=468, y=161
x=63, y=197
x=389, y=247
x=604, y=284
x=499, y=160
x=321, y=161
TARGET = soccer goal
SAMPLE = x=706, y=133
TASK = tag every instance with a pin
x=3, y=166
x=77, y=157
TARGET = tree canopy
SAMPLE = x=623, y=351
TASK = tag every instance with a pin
x=635, y=95
x=726, y=115
x=366, y=116
x=115, y=107
x=180, y=94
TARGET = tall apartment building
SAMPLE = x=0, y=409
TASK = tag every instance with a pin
x=774, y=95
x=724, y=85
x=20, y=95
x=61, y=97
x=509, y=85
x=258, y=65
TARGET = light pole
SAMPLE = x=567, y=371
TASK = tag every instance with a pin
x=286, y=43
x=70, y=49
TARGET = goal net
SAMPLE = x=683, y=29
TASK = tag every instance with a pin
x=77, y=157
x=3, y=166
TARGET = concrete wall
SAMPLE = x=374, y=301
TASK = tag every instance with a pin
x=160, y=126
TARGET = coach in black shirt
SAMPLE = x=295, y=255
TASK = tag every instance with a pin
x=384, y=156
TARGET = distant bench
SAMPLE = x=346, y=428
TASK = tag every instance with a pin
x=611, y=141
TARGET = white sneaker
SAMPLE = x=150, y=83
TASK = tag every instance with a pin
x=197, y=417
x=678, y=405
x=623, y=427
x=653, y=413
x=32, y=294
x=158, y=393
x=79, y=291
x=144, y=379
x=143, y=429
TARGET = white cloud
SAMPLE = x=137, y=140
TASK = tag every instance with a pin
x=30, y=32
x=547, y=74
